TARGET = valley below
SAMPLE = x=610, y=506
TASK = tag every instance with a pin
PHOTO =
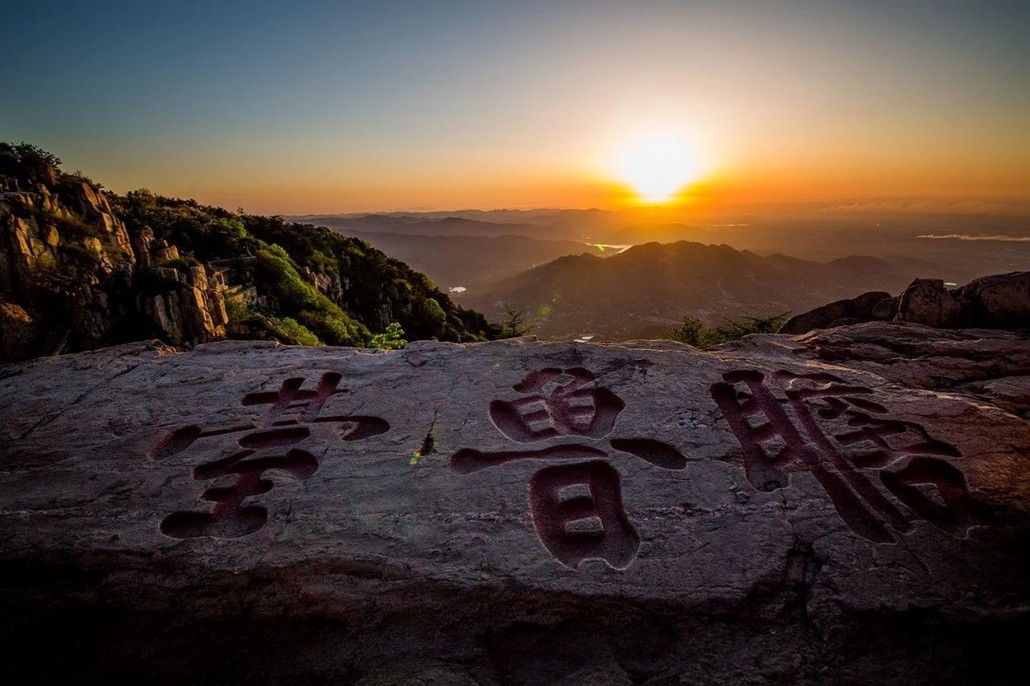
x=547, y=264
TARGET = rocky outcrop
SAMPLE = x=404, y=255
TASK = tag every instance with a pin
x=18, y=330
x=182, y=305
x=83, y=264
x=37, y=227
x=875, y=305
x=328, y=285
x=985, y=365
x=27, y=246
x=849, y=506
x=70, y=270
x=927, y=301
x=998, y=301
x=142, y=246
x=1001, y=301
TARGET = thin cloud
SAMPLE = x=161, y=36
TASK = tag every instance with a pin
x=974, y=237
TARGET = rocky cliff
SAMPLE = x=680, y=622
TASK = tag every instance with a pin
x=71, y=275
x=81, y=268
x=74, y=277
x=847, y=506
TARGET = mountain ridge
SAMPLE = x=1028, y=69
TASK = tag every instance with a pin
x=654, y=285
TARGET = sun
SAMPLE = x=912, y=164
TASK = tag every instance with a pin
x=657, y=165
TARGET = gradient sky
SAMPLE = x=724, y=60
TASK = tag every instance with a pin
x=332, y=106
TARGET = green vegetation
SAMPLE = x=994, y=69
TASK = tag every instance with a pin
x=298, y=298
x=254, y=321
x=515, y=324
x=290, y=331
x=391, y=339
x=295, y=283
x=367, y=289
x=180, y=263
x=283, y=261
x=28, y=164
x=694, y=332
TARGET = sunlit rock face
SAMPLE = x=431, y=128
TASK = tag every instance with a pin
x=793, y=510
x=72, y=277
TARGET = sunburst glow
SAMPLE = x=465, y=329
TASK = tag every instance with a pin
x=657, y=165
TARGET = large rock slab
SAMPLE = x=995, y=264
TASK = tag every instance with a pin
x=513, y=512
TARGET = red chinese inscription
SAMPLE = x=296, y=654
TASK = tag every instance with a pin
x=835, y=431
x=272, y=442
x=576, y=505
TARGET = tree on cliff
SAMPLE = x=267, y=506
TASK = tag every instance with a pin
x=29, y=164
x=694, y=332
x=515, y=324
x=391, y=339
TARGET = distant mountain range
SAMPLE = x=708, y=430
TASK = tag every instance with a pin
x=425, y=225
x=648, y=289
x=547, y=262
x=543, y=223
x=470, y=261
x=973, y=244
x=81, y=267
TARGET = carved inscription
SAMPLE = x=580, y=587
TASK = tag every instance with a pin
x=872, y=467
x=576, y=505
x=559, y=404
x=268, y=443
x=613, y=539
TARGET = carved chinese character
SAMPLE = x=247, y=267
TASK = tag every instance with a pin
x=576, y=506
x=605, y=531
x=559, y=405
x=264, y=446
x=827, y=427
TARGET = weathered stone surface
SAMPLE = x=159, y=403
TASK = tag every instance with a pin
x=996, y=301
x=114, y=289
x=927, y=301
x=986, y=365
x=1000, y=300
x=779, y=511
x=872, y=305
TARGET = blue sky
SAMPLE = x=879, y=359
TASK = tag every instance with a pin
x=287, y=106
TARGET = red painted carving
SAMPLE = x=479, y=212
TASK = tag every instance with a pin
x=265, y=444
x=613, y=540
x=827, y=427
x=560, y=403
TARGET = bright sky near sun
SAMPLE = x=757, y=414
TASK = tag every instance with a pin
x=332, y=106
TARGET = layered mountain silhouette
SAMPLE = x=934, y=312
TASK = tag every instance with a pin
x=81, y=267
x=469, y=261
x=648, y=289
x=423, y=225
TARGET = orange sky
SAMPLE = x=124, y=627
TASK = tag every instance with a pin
x=348, y=107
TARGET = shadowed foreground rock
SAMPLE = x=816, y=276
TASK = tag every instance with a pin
x=845, y=507
x=998, y=301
